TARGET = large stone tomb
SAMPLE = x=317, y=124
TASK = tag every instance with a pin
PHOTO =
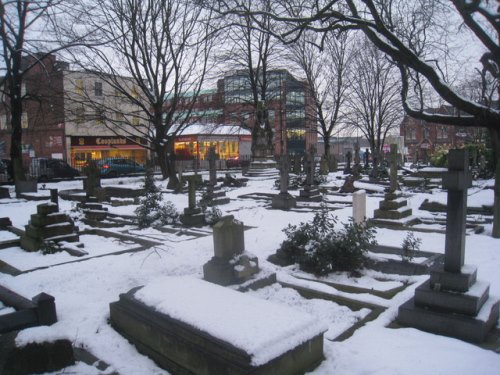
x=453, y=302
x=48, y=224
x=189, y=326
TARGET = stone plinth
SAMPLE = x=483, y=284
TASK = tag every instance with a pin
x=210, y=333
x=393, y=210
x=310, y=193
x=192, y=217
x=453, y=302
x=283, y=201
x=359, y=206
x=230, y=264
x=48, y=225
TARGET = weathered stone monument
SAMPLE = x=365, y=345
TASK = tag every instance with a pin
x=359, y=206
x=453, y=302
x=48, y=224
x=348, y=157
x=214, y=196
x=93, y=180
x=310, y=191
x=393, y=209
x=192, y=215
x=357, y=168
x=230, y=264
x=190, y=326
x=284, y=200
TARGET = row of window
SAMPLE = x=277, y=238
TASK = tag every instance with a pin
x=99, y=116
x=441, y=133
x=98, y=89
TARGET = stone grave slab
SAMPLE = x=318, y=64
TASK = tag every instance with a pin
x=176, y=321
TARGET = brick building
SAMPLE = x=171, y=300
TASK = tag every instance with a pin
x=230, y=103
x=422, y=138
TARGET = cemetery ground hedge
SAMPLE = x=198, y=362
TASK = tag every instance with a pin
x=320, y=249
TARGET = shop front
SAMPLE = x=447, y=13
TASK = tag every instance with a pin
x=87, y=148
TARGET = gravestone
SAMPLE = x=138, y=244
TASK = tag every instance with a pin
x=190, y=326
x=324, y=167
x=27, y=186
x=230, y=264
x=348, y=157
x=284, y=200
x=192, y=215
x=359, y=206
x=453, y=302
x=393, y=175
x=348, y=186
x=394, y=209
x=366, y=158
x=214, y=196
x=48, y=224
x=310, y=192
x=357, y=168
x=93, y=180
x=4, y=192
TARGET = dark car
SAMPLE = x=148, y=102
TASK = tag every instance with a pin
x=6, y=168
x=113, y=167
x=45, y=169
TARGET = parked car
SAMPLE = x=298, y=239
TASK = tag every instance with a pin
x=6, y=168
x=45, y=169
x=113, y=167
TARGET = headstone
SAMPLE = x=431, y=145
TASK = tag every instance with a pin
x=48, y=225
x=93, y=179
x=54, y=196
x=366, y=158
x=347, y=169
x=284, y=200
x=356, y=169
x=453, y=302
x=324, y=167
x=394, y=168
x=359, y=206
x=310, y=191
x=192, y=215
x=28, y=186
x=214, y=196
x=4, y=192
x=230, y=265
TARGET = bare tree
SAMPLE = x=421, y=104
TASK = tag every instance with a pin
x=327, y=74
x=163, y=47
x=26, y=28
x=374, y=102
x=255, y=52
x=402, y=30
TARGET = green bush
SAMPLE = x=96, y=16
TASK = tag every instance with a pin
x=410, y=245
x=320, y=249
x=152, y=211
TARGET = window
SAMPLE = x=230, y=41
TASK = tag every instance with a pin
x=80, y=115
x=411, y=134
x=134, y=92
x=99, y=117
x=98, y=88
x=24, y=120
x=119, y=116
x=79, y=86
x=442, y=132
x=135, y=121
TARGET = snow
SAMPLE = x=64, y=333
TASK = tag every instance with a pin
x=251, y=324
x=84, y=287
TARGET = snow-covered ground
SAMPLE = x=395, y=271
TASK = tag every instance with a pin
x=84, y=289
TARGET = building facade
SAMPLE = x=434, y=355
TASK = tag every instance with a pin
x=422, y=138
x=231, y=103
x=74, y=116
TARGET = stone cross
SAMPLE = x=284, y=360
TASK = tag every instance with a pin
x=394, y=168
x=310, y=168
x=356, y=154
x=348, y=157
x=456, y=181
x=211, y=166
x=284, y=174
x=191, y=191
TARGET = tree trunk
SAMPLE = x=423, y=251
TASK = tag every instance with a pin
x=16, y=155
x=495, y=140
